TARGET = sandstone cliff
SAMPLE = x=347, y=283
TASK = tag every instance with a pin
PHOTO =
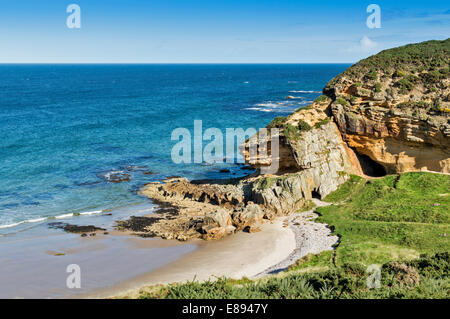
x=386, y=114
x=393, y=107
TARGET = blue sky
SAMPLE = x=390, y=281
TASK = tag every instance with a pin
x=212, y=31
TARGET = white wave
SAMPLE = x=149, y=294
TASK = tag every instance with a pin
x=304, y=91
x=113, y=173
x=11, y=225
x=41, y=219
x=63, y=216
x=269, y=104
x=261, y=109
x=36, y=220
x=92, y=212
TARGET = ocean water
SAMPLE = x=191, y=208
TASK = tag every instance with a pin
x=65, y=129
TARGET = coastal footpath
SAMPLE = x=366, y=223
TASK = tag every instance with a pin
x=387, y=114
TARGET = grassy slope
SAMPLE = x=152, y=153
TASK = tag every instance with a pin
x=426, y=56
x=393, y=218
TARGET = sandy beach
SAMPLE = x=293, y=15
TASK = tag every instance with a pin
x=236, y=256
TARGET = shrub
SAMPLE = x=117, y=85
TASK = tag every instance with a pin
x=291, y=132
x=303, y=126
x=341, y=101
x=398, y=74
x=277, y=122
x=372, y=75
x=405, y=85
x=321, y=98
x=378, y=87
x=321, y=122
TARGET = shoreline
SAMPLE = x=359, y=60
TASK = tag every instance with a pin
x=311, y=238
x=236, y=256
x=279, y=244
x=41, y=254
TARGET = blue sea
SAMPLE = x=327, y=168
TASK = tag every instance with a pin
x=66, y=129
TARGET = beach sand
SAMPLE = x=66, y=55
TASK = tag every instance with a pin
x=236, y=256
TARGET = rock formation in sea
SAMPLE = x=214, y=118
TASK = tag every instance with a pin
x=386, y=114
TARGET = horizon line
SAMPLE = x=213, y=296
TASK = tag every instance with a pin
x=171, y=63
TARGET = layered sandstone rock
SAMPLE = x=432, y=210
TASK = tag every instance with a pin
x=397, y=112
x=391, y=108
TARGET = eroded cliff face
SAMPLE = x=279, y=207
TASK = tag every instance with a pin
x=397, y=112
x=312, y=145
x=387, y=113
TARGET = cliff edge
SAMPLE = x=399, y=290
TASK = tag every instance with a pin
x=386, y=114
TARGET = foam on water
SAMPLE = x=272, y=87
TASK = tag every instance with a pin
x=66, y=130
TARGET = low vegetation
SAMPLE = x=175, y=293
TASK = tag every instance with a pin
x=418, y=65
x=303, y=126
x=391, y=222
x=322, y=98
x=277, y=122
x=426, y=277
x=321, y=122
x=420, y=57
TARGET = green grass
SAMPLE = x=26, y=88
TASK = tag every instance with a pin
x=312, y=262
x=390, y=218
x=341, y=101
x=321, y=122
x=277, y=122
x=428, y=55
x=291, y=132
x=378, y=87
x=345, y=190
x=430, y=60
x=372, y=75
x=378, y=221
x=427, y=277
x=294, y=132
x=303, y=126
x=321, y=98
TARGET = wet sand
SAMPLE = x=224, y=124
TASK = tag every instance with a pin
x=33, y=262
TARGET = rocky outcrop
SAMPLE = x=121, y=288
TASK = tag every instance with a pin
x=315, y=151
x=211, y=210
x=390, y=110
x=396, y=112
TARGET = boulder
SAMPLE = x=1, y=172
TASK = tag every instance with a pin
x=212, y=233
x=219, y=218
x=248, y=216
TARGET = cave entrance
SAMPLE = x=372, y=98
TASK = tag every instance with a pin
x=315, y=194
x=370, y=167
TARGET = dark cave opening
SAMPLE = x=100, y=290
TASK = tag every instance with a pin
x=370, y=167
x=315, y=194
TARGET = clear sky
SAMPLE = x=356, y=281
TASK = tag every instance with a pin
x=213, y=31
